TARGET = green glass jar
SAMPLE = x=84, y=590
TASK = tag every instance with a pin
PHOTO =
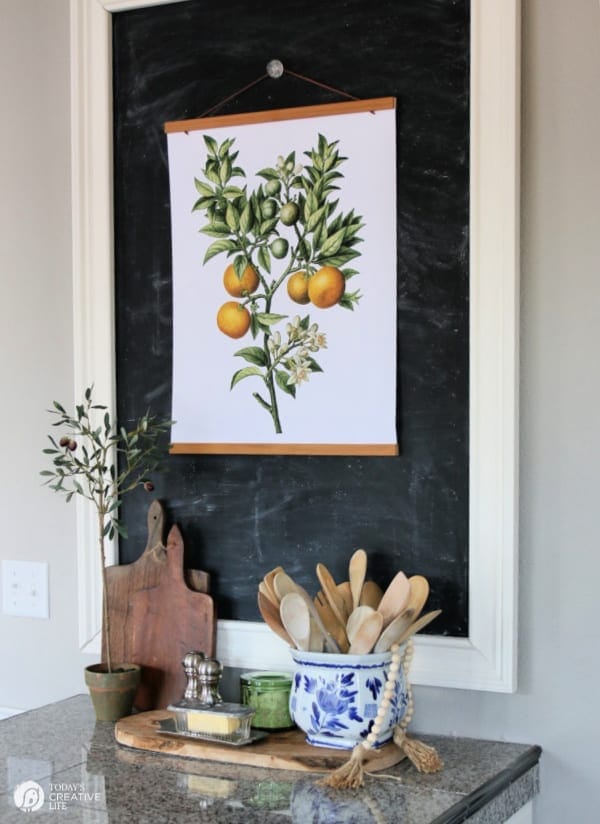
x=269, y=695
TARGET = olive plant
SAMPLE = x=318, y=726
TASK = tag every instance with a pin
x=101, y=462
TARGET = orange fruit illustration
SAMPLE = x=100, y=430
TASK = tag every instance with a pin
x=237, y=287
x=326, y=287
x=233, y=319
x=297, y=287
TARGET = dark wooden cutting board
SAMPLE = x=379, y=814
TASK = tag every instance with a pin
x=166, y=622
x=141, y=584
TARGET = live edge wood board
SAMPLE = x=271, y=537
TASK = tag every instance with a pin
x=285, y=750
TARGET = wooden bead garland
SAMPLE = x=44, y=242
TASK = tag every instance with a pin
x=424, y=757
x=397, y=661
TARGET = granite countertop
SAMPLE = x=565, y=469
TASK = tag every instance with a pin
x=65, y=750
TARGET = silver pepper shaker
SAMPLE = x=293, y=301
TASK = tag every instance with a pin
x=190, y=664
x=209, y=675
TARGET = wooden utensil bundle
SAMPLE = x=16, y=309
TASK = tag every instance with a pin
x=355, y=616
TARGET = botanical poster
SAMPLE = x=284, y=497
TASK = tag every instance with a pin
x=284, y=282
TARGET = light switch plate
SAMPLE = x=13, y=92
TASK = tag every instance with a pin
x=25, y=589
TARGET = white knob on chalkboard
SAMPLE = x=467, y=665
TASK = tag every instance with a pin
x=274, y=68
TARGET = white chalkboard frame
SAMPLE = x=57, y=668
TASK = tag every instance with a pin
x=486, y=660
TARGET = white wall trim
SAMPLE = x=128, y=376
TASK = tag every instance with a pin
x=487, y=659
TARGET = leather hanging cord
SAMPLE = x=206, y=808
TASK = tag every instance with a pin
x=258, y=80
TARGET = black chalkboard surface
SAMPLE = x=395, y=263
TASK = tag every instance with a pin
x=242, y=515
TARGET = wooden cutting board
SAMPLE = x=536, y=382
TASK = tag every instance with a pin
x=137, y=611
x=166, y=622
x=123, y=580
x=285, y=750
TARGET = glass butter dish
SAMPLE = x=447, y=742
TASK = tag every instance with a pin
x=225, y=722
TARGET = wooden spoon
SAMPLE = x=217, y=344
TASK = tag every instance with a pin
x=264, y=589
x=346, y=594
x=268, y=579
x=395, y=630
x=356, y=618
x=336, y=630
x=371, y=594
x=419, y=593
x=367, y=634
x=317, y=638
x=295, y=618
x=285, y=584
x=394, y=598
x=334, y=599
x=419, y=624
x=357, y=569
x=282, y=584
x=270, y=615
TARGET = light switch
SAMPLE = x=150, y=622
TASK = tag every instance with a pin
x=25, y=589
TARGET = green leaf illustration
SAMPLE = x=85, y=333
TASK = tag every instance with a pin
x=264, y=258
x=269, y=318
x=268, y=174
x=232, y=218
x=253, y=354
x=218, y=247
x=215, y=229
x=246, y=372
x=282, y=378
x=203, y=188
x=246, y=219
x=211, y=145
x=225, y=171
x=333, y=243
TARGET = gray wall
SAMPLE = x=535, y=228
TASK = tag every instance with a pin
x=560, y=389
x=39, y=660
x=560, y=436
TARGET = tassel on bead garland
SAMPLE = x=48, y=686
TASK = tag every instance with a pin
x=421, y=755
x=351, y=774
x=425, y=758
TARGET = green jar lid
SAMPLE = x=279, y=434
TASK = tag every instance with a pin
x=267, y=680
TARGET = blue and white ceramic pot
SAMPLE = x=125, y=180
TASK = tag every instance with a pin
x=334, y=698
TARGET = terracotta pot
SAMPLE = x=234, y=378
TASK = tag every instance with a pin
x=112, y=692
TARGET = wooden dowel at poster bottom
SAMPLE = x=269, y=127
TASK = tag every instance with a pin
x=385, y=449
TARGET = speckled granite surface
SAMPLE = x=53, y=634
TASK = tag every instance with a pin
x=62, y=748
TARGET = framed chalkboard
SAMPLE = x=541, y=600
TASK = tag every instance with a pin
x=453, y=485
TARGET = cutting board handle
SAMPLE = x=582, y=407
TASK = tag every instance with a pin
x=156, y=527
x=175, y=556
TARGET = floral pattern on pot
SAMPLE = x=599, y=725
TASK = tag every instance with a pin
x=334, y=698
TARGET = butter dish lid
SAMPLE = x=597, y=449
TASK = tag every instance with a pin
x=225, y=708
